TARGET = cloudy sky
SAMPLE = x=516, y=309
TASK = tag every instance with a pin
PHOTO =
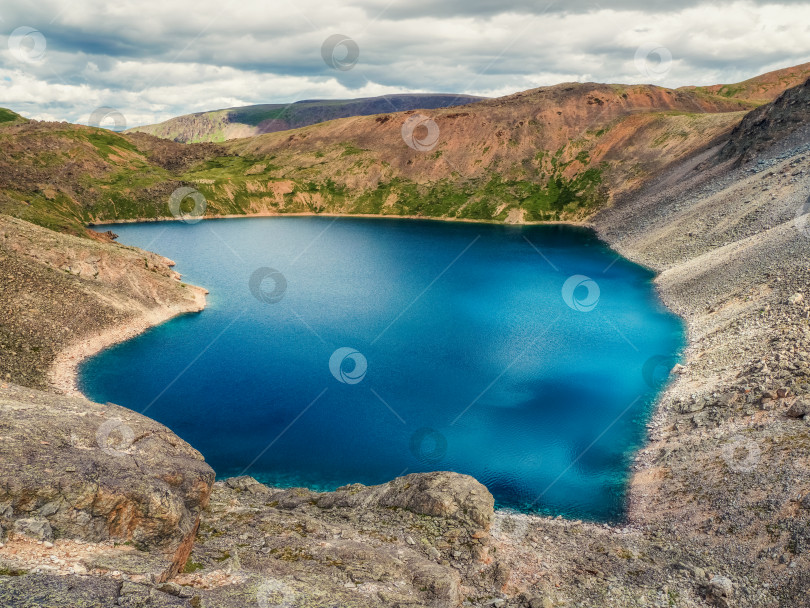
x=151, y=60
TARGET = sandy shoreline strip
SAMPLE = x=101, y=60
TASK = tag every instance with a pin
x=63, y=374
x=455, y=220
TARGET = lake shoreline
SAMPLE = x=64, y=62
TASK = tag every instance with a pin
x=580, y=223
x=63, y=375
x=202, y=256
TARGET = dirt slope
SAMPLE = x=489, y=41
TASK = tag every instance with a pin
x=63, y=297
x=727, y=466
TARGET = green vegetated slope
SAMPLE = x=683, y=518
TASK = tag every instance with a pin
x=549, y=154
x=64, y=176
x=9, y=116
x=554, y=153
x=257, y=185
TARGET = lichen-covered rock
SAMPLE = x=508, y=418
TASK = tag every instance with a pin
x=799, y=408
x=39, y=590
x=48, y=591
x=442, y=495
x=97, y=472
x=36, y=528
x=719, y=591
x=419, y=540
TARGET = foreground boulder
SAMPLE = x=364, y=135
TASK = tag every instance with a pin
x=442, y=494
x=72, y=469
x=416, y=542
x=419, y=540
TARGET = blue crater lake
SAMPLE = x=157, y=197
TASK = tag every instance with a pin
x=336, y=351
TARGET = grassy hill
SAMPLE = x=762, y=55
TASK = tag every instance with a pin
x=760, y=89
x=9, y=116
x=551, y=153
x=233, y=123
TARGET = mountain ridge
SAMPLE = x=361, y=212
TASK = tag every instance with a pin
x=548, y=154
x=763, y=88
x=246, y=121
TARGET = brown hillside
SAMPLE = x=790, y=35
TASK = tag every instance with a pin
x=760, y=89
x=551, y=153
x=551, y=132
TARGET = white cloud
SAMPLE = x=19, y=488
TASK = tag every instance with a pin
x=153, y=60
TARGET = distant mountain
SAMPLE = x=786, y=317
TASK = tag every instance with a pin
x=247, y=121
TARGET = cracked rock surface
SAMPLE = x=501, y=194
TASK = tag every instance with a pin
x=73, y=469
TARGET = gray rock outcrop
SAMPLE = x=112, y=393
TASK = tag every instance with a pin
x=73, y=469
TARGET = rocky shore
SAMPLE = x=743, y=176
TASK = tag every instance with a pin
x=63, y=372
x=726, y=469
x=65, y=298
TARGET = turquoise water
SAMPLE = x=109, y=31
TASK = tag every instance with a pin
x=335, y=351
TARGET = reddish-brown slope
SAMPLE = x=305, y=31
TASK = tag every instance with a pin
x=564, y=129
x=760, y=89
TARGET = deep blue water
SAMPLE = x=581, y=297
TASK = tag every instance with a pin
x=459, y=352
